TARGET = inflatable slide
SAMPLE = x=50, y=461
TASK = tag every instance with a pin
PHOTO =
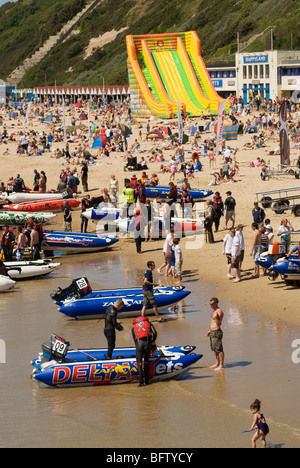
x=165, y=69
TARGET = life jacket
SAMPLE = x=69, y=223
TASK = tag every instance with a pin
x=128, y=194
x=7, y=238
x=141, y=328
x=142, y=193
x=133, y=182
x=218, y=203
x=138, y=222
x=173, y=193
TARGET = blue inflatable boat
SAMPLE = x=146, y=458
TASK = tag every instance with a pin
x=163, y=192
x=80, y=302
x=102, y=214
x=76, y=242
x=288, y=268
x=57, y=367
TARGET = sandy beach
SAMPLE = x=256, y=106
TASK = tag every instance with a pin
x=276, y=300
x=261, y=319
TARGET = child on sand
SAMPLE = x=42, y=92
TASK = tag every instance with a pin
x=259, y=422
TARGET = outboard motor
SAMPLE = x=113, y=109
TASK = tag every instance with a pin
x=272, y=274
x=79, y=288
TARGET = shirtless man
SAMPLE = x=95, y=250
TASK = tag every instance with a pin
x=34, y=243
x=21, y=244
x=215, y=334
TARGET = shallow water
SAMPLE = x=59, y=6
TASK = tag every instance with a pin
x=201, y=408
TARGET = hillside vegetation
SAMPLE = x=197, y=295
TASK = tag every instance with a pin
x=24, y=27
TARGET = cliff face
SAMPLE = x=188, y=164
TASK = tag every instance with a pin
x=96, y=49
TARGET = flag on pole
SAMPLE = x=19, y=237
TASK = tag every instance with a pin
x=285, y=150
x=27, y=116
x=180, y=125
x=220, y=124
x=64, y=122
x=90, y=128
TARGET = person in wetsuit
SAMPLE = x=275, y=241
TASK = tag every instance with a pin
x=144, y=336
x=3, y=271
x=111, y=325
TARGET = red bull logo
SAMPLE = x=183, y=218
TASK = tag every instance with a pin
x=103, y=373
x=94, y=373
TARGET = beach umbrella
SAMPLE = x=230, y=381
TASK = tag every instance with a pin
x=100, y=142
x=78, y=105
x=126, y=130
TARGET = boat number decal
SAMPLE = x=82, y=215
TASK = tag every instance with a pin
x=59, y=346
x=81, y=283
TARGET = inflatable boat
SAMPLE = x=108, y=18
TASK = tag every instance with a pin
x=163, y=192
x=288, y=268
x=27, y=254
x=76, y=242
x=275, y=252
x=182, y=226
x=107, y=214
x=13, y=219
x=57, y=367
x=30, y=269
x=6, y=283
x=185, y=226
x=54, y=206
x=80, y=302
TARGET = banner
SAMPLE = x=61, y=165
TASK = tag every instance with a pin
x=180, y=125
x=285, y=151
x=90, y=128
x=64, y=122
x=221, y=117
x=27, y=116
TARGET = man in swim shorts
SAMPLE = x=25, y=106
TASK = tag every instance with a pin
x=148, y=295
x=215, y=334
